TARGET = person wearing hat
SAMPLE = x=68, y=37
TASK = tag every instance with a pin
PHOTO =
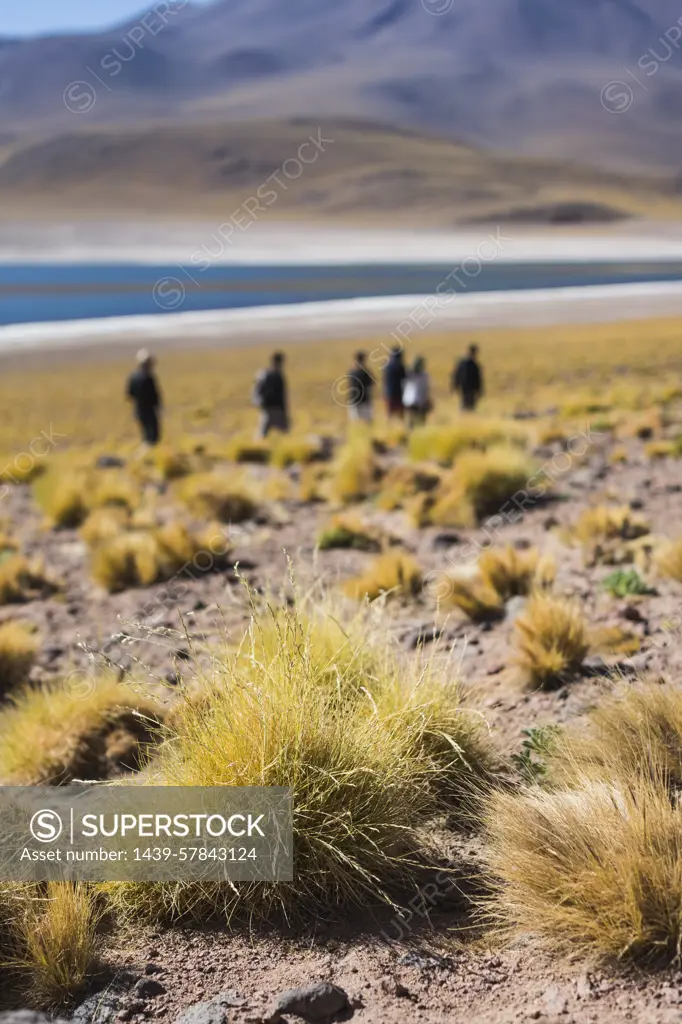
x=143, y=391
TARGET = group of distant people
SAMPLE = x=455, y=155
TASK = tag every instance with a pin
x=406, y=391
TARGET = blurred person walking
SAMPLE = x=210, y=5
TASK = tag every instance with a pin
x=143, y=391
x=360, y=384
x=467, y=378
x=270, y=395
x=394, y=377
x=417, y=394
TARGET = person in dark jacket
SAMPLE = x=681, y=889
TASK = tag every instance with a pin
x=143, y=391
x=359, y=384
x=270, y=395
x=394, y=377
x=467, y=378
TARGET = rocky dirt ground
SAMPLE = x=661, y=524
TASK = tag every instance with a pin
x=437, y=970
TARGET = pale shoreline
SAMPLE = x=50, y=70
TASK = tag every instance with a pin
x=351, y=318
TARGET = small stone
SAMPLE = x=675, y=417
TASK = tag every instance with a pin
x=214, y=1011
x=152, y=968
x=315, y=1003
x=148, y=988
x=109, y=462
x=555, y=1001
x=550, y=523
x=584, y=987
x=446, y=540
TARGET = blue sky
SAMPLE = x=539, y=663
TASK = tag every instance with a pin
x=34, y=17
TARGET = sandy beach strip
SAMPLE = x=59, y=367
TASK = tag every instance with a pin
x=403, y=316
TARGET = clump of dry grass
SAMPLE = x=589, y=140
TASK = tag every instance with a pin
x=516, y=573
x=139, y=558
x=63, y=498
x=366, y=764
x=395, y=573
x=668, y=559
x=82, y=728
x=443, y=443
x=480, y=591
x=354, y=473
x=104, y=524
x=56, y=941
x=292, y=450
x=349, y=531
x=604, y=522
x=552, y=640
x=597, y=868
x=593, y=860
x=24, y=580
x=403, y=482
x=171, y=464
x=481, y=484
x=18, y=650
x=220, y=496
x=608, y=533
x=635, y=732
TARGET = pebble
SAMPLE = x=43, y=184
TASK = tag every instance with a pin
x=314, y=1003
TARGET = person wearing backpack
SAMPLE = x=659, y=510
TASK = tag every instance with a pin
x=360, y=387
x=270, y=395
x=417, y=394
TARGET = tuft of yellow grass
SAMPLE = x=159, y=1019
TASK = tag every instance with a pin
x=292, y=450
x=63, y=498
x=103, y=524
x=139, y=558
x=222, y=496
x=24, y=580
x=442, y=443
x=668, y=559
x=604, y=522
x=403, y=482
x=18, y=649
x=367, y=752
x=354, y=473
x=551, y=639
x=596, y=869
x=57, y=940
x=394, y=573
x=350, y=531
x=480, y=591
x=53, y=733
x=515, y=573
x=480, y=485
x=634, y=732
x=592, y=861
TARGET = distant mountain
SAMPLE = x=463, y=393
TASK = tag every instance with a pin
x=594, y=80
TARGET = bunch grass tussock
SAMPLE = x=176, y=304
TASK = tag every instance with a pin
x=19, y=646
x=366, y=771
x=294, y=450
x=634, y=732
x=403, y=482
x=596, y=869
x=217, y=495
x=482, y=590
x=140, y=558
x=68, y=494
x=395, y=573
x=667, y=557
x=443, y=443
x=609, y=534
x=481, y=485
x=552, y=640
x=348, y=530
x=592, y=860
x=23, y=579
x=355, y=471
x=80, y=727
x=55, y=941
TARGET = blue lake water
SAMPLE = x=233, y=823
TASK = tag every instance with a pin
x=44, y=292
